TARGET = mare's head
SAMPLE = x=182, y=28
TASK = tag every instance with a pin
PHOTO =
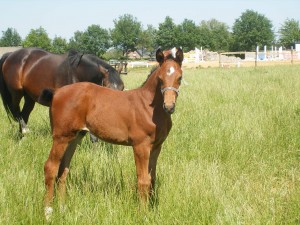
x=100, y=72
x=170, y=75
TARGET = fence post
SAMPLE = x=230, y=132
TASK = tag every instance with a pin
x=219, y=60
x=256, y=56
x=292, y=55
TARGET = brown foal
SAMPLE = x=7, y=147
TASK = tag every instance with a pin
x=140, y=118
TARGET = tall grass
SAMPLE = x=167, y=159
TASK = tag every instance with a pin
x=232, y=157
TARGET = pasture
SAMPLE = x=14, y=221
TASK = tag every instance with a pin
x=232, y=157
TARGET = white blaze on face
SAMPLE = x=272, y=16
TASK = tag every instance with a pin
x=171, y=71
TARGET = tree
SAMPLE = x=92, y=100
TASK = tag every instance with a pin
x=250, y=30
x=125, y=33
x=188, y=35
x=214, y=35
x=75, y=42
x=146, y=40
x=38, y=38
x=95, y=40
x=289, y=33
x=59, y=45
x=166, y=36
x=10, y=38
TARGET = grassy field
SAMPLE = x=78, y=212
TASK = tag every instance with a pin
x=232, y=157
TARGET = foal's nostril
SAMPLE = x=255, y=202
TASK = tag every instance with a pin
x=169, y=108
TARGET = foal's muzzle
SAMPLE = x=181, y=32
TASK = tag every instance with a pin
x=169, y=99
x=169, y=108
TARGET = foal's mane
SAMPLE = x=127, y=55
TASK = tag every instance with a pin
x=149, y=75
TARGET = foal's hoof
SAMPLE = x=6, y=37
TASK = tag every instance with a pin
x=48, y=213
x=25, y=130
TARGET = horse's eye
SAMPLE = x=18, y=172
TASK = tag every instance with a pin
x=179, y=80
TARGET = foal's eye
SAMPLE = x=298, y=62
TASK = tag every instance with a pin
x=179, y=80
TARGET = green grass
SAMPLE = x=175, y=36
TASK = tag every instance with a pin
x=232, y=157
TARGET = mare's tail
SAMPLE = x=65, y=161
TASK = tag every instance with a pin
x=46, y=97
x=5, y=95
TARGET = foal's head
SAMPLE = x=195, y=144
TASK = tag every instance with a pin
x=170, y=75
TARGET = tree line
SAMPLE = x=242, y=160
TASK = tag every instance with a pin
x=251, y=29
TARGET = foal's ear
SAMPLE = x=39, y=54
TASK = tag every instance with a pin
x=179, y=56
x=160, y=56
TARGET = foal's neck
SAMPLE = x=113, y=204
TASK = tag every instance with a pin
x=152, y=83
x=152, y=90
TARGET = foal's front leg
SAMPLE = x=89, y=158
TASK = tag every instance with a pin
x=152, y=165
x=141, y=157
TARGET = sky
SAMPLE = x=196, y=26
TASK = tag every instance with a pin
x=64, y=17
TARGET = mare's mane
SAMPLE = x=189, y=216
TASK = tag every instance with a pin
x=74, y=57
x=111, y=70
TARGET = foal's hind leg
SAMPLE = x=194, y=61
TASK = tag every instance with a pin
x=51, y=168
x=145, y=160
x=26, y=110
x=64, y=167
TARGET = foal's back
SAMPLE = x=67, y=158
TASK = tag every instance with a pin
x=113, y=116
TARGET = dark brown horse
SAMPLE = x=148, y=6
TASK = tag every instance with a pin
x=28, y=71
x=142, y=119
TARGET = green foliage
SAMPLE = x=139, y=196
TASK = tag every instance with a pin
x=250, y=30
x=289, y=33
x=146, y=40
x=112, y=54
x=232, y=157
x=76, y=42
x=214, y=35
x=10, y=38
x=126, y=32
x=38, y=38
x=95, y=40
x=59, y=45
x=167, y=34
x=188, y=35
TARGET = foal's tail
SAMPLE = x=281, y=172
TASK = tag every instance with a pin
x=5, y=95
x=46, y=97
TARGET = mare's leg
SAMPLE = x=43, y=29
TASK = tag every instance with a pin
x=16, y=96
x=59, y=147
x=64, y=167
x=141, y=157
x=27, y=108
x=93, y=138
x=21, y=117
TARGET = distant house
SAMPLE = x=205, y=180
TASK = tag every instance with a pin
x=3, y=50
x=134, y=55
x=297, y=46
